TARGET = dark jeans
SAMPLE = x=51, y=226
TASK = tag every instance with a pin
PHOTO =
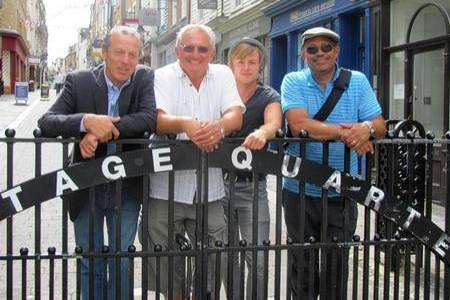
x=336, y=270
x=104, y=211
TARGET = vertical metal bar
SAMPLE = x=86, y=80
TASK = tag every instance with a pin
x=24, y=254
x=231, y=255
x=389, y=229
x=324, y=232
x=105, y=250
x=255, y=213
x=407, y=278
x=118, y=224
x=345, y=250
x=37, y=222
x=9, y=221
x=218, y=267
x=78, y=251
x=65, y=157
x=312, y=272
x=205, y=222
x=418, y=252
x=266, y=270
x=366, y=246
x=376, y=265
x=301, y=228
x=158, y=271
x=198, y=229
x=355, y=268
x=243, y=244
x=170, y=235
x=437, y=277
x=279, y=195
x=332, y=289
x=397, y=273
x=144, y=237
x=51, y=277
x=91, y=242
x=131, y=251
x=428, y=214
x=447, y=213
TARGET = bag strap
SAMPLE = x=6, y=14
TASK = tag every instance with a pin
x=340, y=85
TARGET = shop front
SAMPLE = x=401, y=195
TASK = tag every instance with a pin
x=13, y=58
x=416, y=81
x=355, y=21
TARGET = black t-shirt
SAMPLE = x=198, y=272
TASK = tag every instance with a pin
x=255, y=106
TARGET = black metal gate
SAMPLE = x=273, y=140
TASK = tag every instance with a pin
x=39, y=258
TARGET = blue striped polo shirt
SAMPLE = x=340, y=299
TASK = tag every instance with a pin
x=358, y=103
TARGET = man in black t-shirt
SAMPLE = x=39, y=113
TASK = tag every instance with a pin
x=262, y=119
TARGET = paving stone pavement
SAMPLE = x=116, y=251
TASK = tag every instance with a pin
x=24, y=223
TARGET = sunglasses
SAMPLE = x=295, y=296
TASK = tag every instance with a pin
x=324, y=47
x=191, y=49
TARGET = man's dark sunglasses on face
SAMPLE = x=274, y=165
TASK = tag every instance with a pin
x=313, y=49
x=191, y=49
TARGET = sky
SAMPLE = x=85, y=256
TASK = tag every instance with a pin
x=64, y=19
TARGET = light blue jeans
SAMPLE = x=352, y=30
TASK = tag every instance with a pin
x=243, y=206
x=104, y=208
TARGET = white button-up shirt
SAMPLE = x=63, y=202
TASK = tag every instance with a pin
x=176, y=95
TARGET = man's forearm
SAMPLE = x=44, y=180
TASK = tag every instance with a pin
x=231, y=121
x=169, y=124
x=317, y=130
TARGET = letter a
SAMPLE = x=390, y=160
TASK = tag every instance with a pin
x=64, y=182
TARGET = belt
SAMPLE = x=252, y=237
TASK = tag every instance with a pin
x=243, y=177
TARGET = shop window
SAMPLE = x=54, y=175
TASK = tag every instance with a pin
x=397, y=82
x=429, y=23
x=184, y=8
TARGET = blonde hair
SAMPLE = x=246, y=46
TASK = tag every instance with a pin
x=243, y=50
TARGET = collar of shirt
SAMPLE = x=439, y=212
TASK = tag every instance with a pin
x=113, y=95
x=112, y=87
x=181, y=74
x=312, y=82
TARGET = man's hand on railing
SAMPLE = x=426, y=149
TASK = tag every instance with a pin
x=208, y=136
x=88, y=145
x=356, y=136
x=102, y=126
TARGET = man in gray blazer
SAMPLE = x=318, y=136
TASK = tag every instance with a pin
x=115, y=100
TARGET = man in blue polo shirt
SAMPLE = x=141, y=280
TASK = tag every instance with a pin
x=353, y=121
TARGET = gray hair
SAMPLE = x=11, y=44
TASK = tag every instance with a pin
x=126, y=30
x=206, y=29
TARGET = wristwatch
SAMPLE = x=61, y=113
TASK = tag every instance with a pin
x=369, y=124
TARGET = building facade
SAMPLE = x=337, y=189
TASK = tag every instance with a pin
x=174, y=15
x=355, y=21
x=415, y=77
x=14, y=47
x=37, y=37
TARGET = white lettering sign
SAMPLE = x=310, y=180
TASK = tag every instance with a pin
x=375, y=196
x=64, y=182
x=412, y=214
x=334, y=181
x=158, y=159
x=442, y=245
x=119, y=170
x=12, y=194
x=246, y=163
x=284, y=167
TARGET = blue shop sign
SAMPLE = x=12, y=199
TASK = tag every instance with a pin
x=309, y=13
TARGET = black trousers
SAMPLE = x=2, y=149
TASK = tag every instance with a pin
x=336, y=269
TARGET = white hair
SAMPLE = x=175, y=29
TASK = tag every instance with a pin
x=206, y=29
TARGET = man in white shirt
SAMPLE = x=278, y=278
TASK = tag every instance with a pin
x=199, y=101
